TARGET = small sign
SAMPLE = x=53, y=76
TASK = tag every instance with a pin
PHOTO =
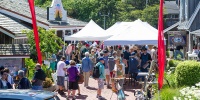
x=56, y=11
x=177, y=38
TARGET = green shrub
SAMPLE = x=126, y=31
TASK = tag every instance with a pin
x=174, y=63
x=171, y=80
x=167, y=94
x=47, y=71
x=187, y=73
x=30, y=64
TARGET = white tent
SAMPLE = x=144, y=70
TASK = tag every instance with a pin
x=139, y=33
x=91, y=32
x=118, y=27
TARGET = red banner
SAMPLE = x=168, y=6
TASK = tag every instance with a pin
x=161, y=47
x=32, y=8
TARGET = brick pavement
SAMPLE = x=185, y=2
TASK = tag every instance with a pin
x=90, y=93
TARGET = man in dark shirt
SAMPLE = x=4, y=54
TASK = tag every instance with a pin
x=178, y=51
x=145, y=60
x=39, y=77
x=126, y=56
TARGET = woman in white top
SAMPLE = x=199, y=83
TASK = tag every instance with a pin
x=119, y=72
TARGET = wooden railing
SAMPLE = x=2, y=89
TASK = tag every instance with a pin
x=14, y=49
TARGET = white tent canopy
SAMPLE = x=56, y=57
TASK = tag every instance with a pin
x=91, y=32
x=139, y=33
x=118, y=27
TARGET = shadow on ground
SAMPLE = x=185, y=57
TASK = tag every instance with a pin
x=81, y=97
x=91, y=88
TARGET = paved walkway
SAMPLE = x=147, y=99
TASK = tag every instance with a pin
x=90, y=93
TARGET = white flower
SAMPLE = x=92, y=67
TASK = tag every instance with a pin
x=198, y=84
x=185, y=98
x=175, y=98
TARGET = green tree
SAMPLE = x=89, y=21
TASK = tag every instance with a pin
x=119, y=10
x=150, y=15
x=49, y=42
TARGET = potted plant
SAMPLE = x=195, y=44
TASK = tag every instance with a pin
x=47, y=85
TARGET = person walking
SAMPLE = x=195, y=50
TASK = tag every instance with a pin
x=133, y=66
x=68, y=51
x=61, y=68
x=93, y=59
x=24, y=82
x=154, y=55
x=126, y=54
x=178, y=51
x=107, y=71
x=86, y=68
x=39, y=77
x=73, y=83
x=101, y=78
x=111, y=62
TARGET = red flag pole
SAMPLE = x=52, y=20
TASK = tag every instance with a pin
x=32, y=9
x=161, y=47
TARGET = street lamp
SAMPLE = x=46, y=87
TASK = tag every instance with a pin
x=104, y=15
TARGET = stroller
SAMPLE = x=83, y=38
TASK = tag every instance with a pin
x=120, y=93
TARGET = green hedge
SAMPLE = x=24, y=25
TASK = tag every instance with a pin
x=31, y=67
x=187, y=73
x=172, y=63
x=171, y=79
x=167, y=93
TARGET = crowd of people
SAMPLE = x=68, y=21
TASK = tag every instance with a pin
x=103, y=63
x=19, y=79
x=112, y=62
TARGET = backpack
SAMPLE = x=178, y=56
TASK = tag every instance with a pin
x=96, y=72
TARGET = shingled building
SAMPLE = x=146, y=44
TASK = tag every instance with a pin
x=15, y=16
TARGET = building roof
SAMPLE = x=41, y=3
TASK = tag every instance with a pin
x=194, y=17
x=193, y=23
x=14, y=50
x=171, y=27
x=22, y=8
x=171, y=7
x=182, y=25
x=12, y=26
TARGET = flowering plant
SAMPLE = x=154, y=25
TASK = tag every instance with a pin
x=189, y=93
